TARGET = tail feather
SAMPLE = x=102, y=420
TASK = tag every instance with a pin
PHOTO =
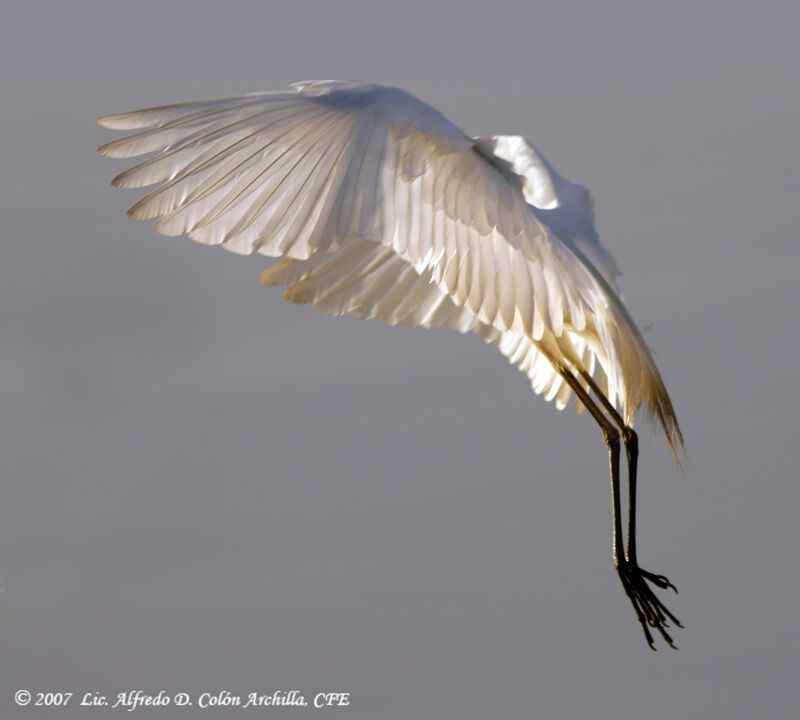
x=643, y=386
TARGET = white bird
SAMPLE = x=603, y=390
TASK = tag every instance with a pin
x=385, y=209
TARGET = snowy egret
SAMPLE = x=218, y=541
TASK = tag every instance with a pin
x=384, y=209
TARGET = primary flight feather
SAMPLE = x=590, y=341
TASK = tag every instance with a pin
x=385, y=209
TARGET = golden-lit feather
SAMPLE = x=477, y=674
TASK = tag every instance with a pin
x=387, y=210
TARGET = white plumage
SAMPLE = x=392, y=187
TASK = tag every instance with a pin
x=385, y=209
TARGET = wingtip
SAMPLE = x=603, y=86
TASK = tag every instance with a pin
x=113, y=122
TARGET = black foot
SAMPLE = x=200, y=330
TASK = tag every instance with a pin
x=652, y=613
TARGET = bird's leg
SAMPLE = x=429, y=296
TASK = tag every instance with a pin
x=632, y=453
x=645, y=602
x=611, y=436
x=650, y=611
x=631, y=440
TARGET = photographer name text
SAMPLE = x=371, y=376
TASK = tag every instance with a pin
x=133, y=700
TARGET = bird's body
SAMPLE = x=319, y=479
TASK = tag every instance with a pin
x=385, y=209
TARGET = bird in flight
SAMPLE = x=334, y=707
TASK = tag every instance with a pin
x=384, y=209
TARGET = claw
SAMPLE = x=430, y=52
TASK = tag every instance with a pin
x=650, y=611
x=659, y=580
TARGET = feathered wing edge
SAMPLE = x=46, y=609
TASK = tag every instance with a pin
x=205, y=153
x=640, y=375
x=658, y=405
x=368, y=280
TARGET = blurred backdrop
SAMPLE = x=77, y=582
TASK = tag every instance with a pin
x=206, y=488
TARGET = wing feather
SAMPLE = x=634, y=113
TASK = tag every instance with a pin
x=320, y=169
x=368, y=280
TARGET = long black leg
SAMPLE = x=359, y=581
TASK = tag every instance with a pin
x=632, y=453
x=650, y=611
x=611, y=435
x=631, y=440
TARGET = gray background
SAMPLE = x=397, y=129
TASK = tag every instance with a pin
x=206, y=488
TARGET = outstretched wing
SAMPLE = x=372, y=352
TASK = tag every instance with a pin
x=297, y=172
x=314, y=169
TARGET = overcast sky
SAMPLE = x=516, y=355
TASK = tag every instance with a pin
x=206, y=488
